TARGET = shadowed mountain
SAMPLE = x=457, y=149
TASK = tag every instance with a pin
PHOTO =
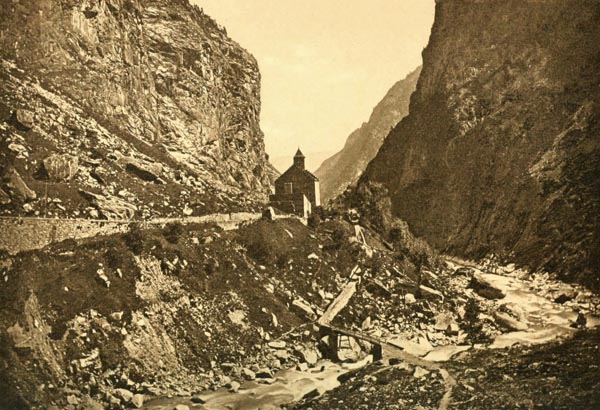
x=499, y=153
x=148, y=104
x=345, y=167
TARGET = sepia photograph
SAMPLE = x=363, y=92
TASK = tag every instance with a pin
x=300, y=204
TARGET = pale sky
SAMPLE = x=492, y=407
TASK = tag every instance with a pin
x=324, y=63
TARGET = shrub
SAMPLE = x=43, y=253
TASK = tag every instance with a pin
x=472, y=324
x=173, y=231
x=266, y=244
x=338, y=239
x=134, y=239
x=114, y=257
x=260, y=250
x=314, y=220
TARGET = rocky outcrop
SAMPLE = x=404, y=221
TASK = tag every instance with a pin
x=109, y=208
x=17, y=186
x=155, y=81
x=499, y=153
x=345, y=167
x=61, y=167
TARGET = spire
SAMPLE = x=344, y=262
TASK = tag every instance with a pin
x=299, y=159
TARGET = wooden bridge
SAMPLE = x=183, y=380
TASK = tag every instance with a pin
x=335, y=341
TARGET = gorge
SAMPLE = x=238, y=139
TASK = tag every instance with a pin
x=139, y=267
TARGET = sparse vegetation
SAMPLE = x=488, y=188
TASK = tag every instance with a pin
x=134, y=239
x=173, y=232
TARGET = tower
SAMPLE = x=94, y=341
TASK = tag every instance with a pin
x=299, y=159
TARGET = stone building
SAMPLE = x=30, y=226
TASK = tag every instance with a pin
x=296, y=190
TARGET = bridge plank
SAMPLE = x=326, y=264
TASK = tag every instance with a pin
x=338, y=303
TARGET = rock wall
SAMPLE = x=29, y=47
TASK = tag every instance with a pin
x=499, y=153
x=345, y=167
x=24, y=234
x=150, y=101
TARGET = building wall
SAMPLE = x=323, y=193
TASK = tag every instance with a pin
x=297, y=204
x=317, y=201
x=302, y=183
x=293, y=204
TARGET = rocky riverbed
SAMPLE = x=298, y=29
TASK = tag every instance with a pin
x=544, y=315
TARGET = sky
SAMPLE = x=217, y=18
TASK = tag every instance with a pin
x=324, y=64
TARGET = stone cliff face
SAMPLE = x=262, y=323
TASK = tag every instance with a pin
x=500, y=152
x=126, y=107
x=345, y=167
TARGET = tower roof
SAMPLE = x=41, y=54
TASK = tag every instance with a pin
x=299, y=154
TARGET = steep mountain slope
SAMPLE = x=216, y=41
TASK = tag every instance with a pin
x=500, y=152
x=345, y=167
x=174, y=310
x=140, y=102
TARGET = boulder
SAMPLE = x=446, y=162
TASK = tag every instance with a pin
x=376, y=287
x=124, y=394
x=181, y=407
x=409, y=299
x=311, y=395
x=4, y=197
x=18, y=186
x=444, y=322
x=310, y=356
x=248, y=374
x=267, y=380
x=198, y=399
x=304, y=307
x=264, y=373
x=429, y=291
x=485, y=288
x=61, y=167
x=302, y=367
x=88, y=403
x=420, y=372
x=277, y=344
x=234, y=387
x=111, y=208
x=147, y=171
x=18, y=149
x=115, y=402
x=509, y=322
x=137, y=400
x=565, y=297
x=228, y=367
x=464, y=271
x=22, y=119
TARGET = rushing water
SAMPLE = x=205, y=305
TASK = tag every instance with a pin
x=545, y=321
x=290, y=386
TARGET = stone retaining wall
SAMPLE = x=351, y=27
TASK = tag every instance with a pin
x=22, y=234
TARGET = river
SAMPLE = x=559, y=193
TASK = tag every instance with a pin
x=543, y=319
x=290, y=386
